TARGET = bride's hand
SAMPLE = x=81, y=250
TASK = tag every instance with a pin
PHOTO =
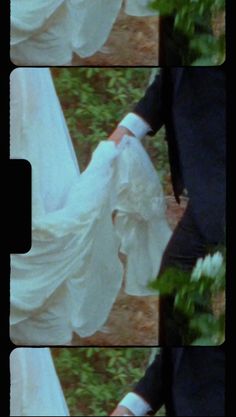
x=121, y=411
x=117, y=136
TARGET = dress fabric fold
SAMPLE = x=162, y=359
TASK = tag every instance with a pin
x=35, y=387
x=48, y=32
x=71, y=276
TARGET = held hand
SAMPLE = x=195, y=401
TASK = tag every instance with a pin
x=116, y=136
x=121, y=411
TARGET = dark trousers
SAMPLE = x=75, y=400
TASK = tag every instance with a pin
x=175, y=47
x=184, y=248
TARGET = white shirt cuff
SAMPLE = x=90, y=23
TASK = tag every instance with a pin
x=137, y=405
x=136, y=125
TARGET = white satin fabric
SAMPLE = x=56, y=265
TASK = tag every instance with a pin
x=139, y=8
x=71, y=277
x=35, y=387
x=47, y=32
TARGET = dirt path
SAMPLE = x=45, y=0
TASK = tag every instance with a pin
x=133, y=42
x=133, y=320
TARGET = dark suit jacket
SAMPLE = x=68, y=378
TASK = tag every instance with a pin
x=190, y=102
x=189, y=381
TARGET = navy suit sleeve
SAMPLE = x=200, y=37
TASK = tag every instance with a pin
x=151, y=106
x=151, y=387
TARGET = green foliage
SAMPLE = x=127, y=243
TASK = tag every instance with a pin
x=95, y=379
x=157, y=149
x=195, y=19
x=194, y=298
x=94, y=100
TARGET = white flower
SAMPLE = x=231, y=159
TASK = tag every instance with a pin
x=210, y=266
x=197, y=271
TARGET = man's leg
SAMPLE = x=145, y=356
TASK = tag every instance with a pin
x=172, y=44
x=175, y=47
x=184, y=248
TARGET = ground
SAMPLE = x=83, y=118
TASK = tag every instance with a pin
x=133, y=320
x=133, y=42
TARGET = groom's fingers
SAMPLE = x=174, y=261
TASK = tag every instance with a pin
x=121, y=411
x=118, y=134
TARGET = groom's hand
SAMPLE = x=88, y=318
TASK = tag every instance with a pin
x=121, y=411
x=116, y=136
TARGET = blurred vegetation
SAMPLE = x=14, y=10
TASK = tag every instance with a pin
x=94, y=380
x=94, y=100
x=203, y=23
x=201, y=301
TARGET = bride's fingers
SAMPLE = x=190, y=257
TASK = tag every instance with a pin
x=118, y=134
x=121, y=411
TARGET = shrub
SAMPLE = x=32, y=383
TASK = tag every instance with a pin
x=95, y=379
x=199, y=295
x=206, y=47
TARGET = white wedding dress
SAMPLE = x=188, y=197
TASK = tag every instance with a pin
x=71, y=277
x=35, y=387
x=47, y=32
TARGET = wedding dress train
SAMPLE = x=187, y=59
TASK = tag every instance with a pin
x=35, y=387
x=71, y=277
x=47, y=32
